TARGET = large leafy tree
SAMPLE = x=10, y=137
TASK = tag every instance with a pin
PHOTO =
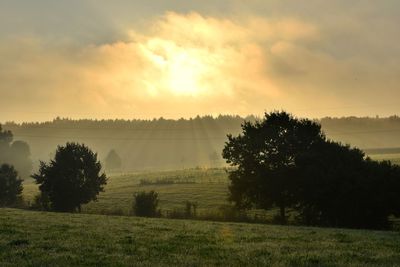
x=341, y=187
x=287, y=162
x=72, y=178
x=264, y=160
x=10, y=185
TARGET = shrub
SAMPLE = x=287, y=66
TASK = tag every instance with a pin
x=145, y=204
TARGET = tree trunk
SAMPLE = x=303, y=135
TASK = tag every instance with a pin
x=283, y=214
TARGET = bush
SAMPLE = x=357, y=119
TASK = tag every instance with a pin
x=145, y=204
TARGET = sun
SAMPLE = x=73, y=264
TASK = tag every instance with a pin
x=180, y=70
x=184, y=74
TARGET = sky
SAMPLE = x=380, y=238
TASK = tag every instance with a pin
x=172, y=59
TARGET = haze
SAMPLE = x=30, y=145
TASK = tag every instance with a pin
x=129, y=59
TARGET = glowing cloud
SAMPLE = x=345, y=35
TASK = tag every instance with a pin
x=183, y=65
x=186, y=56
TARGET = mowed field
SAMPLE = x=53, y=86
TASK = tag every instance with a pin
x=30, y=238
x=206, y=187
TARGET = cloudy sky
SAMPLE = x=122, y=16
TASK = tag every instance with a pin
x=145, y=59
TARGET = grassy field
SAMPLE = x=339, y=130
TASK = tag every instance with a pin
x=207, y=187
x=52, y=239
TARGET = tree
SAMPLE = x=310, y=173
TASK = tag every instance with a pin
x=113, y=161
x=145, y=204
x=15, y=153
x=340, y=187
x=264, y=157
x=20, y=154
x=10, y=185
x=286, y=162
x=72, y=178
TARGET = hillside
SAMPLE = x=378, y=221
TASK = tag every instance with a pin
x=54, y=239
x=175, y=144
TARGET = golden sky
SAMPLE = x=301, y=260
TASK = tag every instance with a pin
x=125, y=59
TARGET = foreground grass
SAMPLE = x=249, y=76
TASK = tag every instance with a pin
x=52, y=239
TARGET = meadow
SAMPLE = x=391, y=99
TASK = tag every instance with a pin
x=29, y=238
x=206, y=187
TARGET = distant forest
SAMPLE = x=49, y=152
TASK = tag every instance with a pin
x=184, y=143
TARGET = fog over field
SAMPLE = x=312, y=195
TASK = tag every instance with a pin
x=176, y=144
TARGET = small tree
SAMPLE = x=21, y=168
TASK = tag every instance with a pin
x=20, y=157
x=10, y=186
x=113, y=161
x=71, y=179
x=145, y=204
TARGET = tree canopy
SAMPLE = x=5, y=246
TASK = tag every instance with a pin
x=285, y=162
x=72, y=178
x=265, y=155
x=339, y=187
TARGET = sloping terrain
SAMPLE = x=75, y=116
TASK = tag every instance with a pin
x=53, y=239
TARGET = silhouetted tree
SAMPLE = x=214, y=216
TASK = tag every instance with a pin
x=15, y=153
x=264, y=156
x=72, y=178
x=113, y=161
x=145, y=204
x=339, y=187
x=10, y=186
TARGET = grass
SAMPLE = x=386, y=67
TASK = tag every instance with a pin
x=207, y=187
x=30, y=238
